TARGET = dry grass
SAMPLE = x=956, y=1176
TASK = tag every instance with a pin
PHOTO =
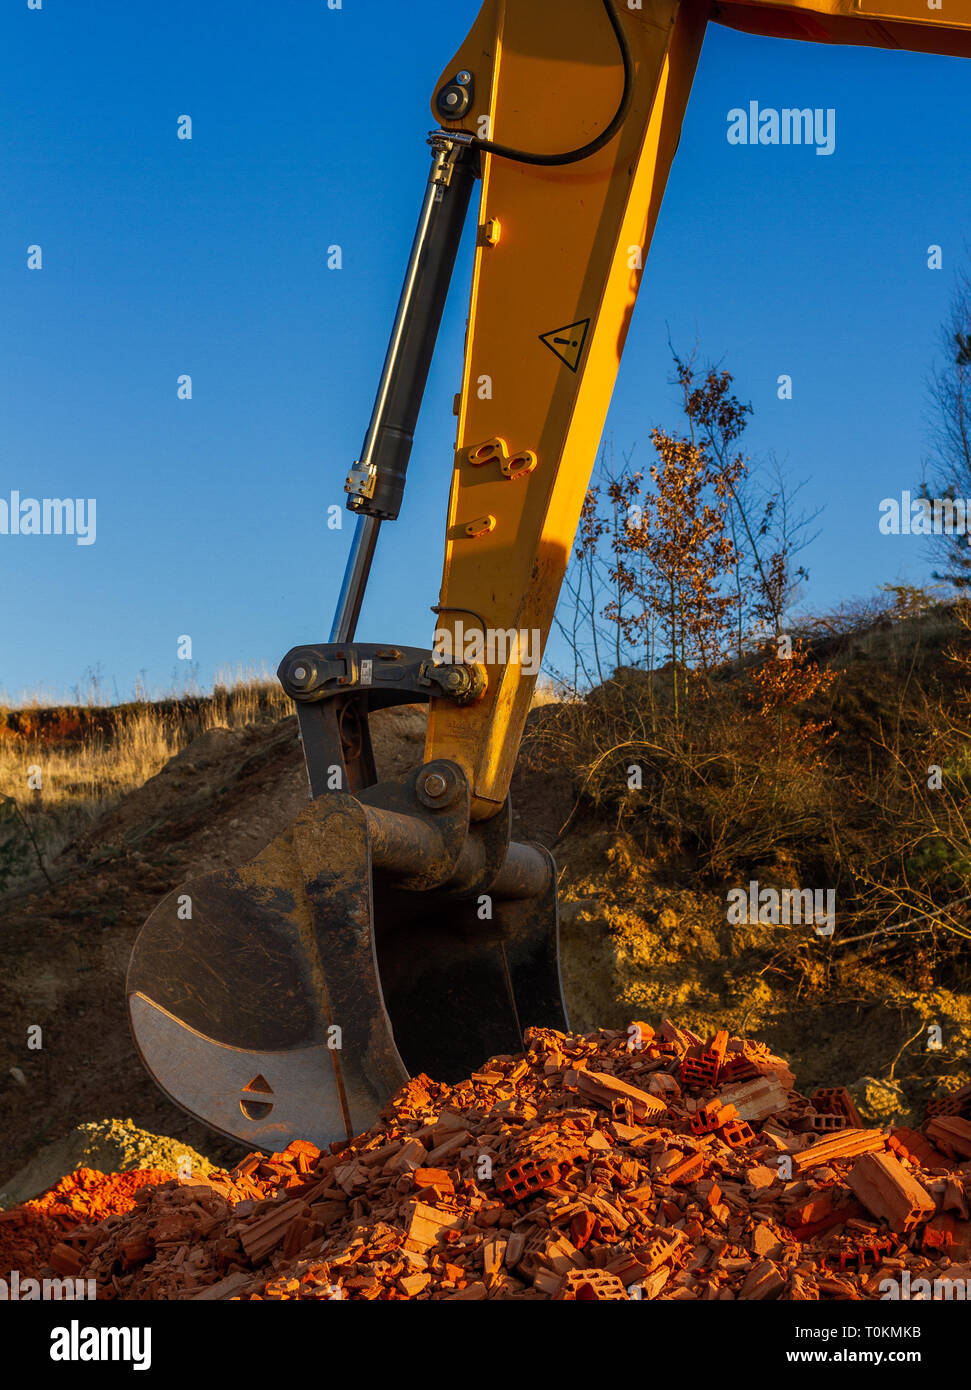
x=861, y=785
x=552, y=690
x=97, y=770
x=60, y=785
x=92, y=772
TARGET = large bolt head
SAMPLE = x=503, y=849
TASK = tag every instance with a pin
x=437, y=786
x=434, y=785
x=301, y=673
x=455, y=98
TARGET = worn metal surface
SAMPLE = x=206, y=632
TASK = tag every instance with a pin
x=335, y=685
x=264, y=1098
x=387, y=674
x=460, y=987
x=412, y=842
x=306, y=958
x=274, y=957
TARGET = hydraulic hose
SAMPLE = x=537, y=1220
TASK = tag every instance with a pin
x=605, y=136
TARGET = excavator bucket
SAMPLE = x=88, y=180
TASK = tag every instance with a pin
x=380, y=936
x=386, y=933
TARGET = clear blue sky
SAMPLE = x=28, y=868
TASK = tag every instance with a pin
x=208, y=257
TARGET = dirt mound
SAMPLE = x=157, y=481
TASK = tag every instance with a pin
x=66, y=1053
x=188, y=803
x=626, y=1163
x=634, y=942
x=108, y=1146
x=635, y=939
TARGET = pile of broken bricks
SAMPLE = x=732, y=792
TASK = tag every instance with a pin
x=618, y=1165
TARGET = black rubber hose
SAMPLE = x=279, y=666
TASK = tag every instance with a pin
x=605, y=136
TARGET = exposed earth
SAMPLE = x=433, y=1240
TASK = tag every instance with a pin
x=633, y=945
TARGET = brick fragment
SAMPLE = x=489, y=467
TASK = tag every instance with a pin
x=410, y=1156
x=426, y=1224
x=907, y=1143
x=953, y=1199
x=514, y=1249
x=756, y=1100
x=413, y=1284
x=690, y=1168
x=717, y=1045
x=950, y=1133
x=953, y=1103
x=698, y=1072
x=493, y=1253
x=64, y=1260
x=849, y=1143
x=892, y=1194
x=939, y=1233
x=435, y=1180
x=765, y=1281
x=267, y=1232
x=738, y=1068
x=849, y=1253
x=591, y=1286
x=137, y=1251
x=766, y=1241
x=712, y=1116
x=603, y=1087
x=449, y=1145
x=524, y=1179
x=836, y=1100
x=302, y=1146
x=662, y=1247
x=472, y=1292
x=737, y=1134
x=677, y=1038
x=821, y=1123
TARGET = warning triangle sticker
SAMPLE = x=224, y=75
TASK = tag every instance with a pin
x=567, y=342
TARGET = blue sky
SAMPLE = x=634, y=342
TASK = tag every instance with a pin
x=209, y=257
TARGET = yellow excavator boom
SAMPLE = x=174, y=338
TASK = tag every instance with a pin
x=560, y=257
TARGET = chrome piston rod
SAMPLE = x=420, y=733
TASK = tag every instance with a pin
x=375, y=483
